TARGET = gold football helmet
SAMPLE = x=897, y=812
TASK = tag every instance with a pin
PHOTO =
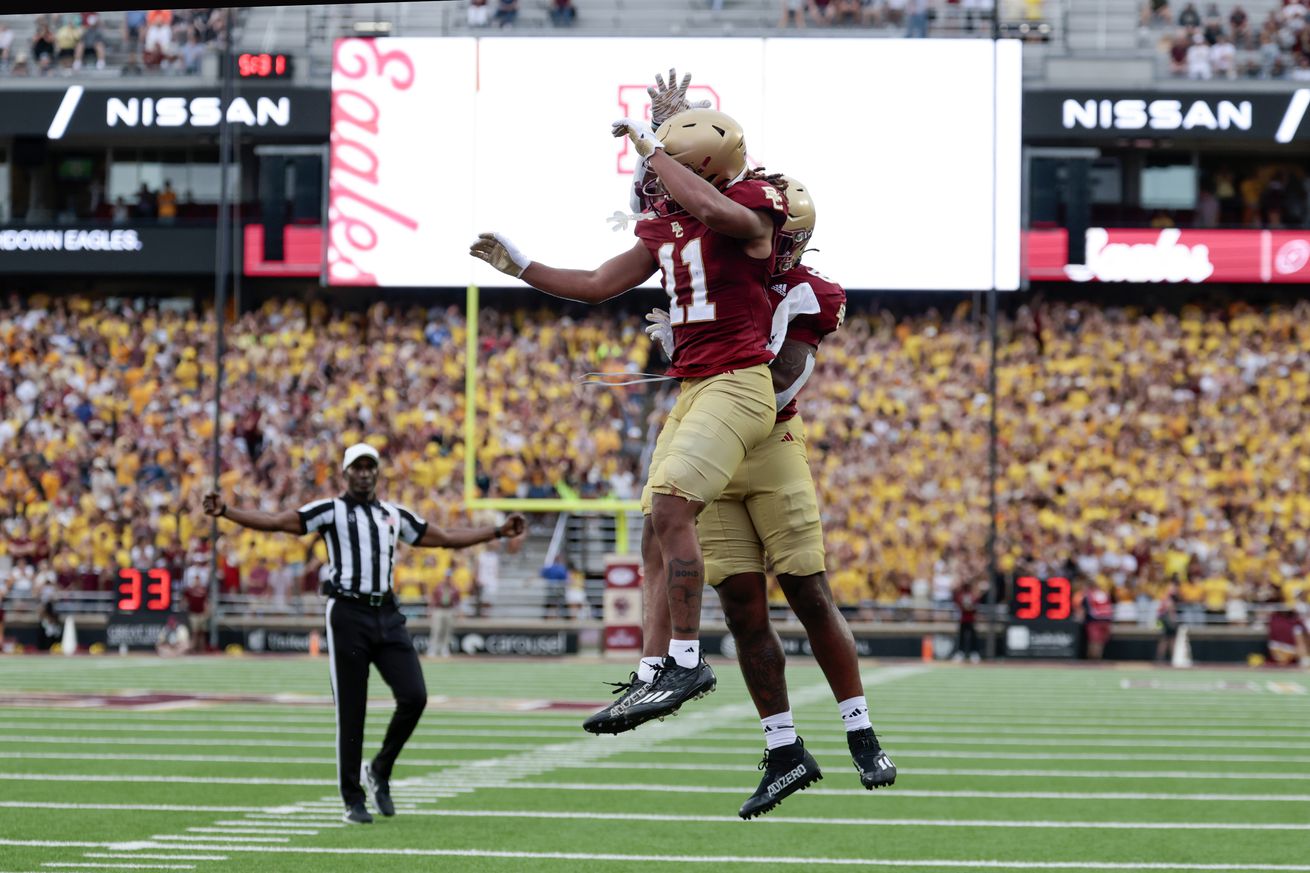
x=710, y=144
x=797, y=229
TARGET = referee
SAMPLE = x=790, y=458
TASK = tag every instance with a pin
x=364, y=626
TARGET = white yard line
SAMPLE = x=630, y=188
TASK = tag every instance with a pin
x=972, y=863
x=84, y=864
x=249, y=823
x=138, y=807
x=899, y=738
x=160, y=857
x=567, y=721
x=169, y=838
x=870, y=822
x=819, y=750
x=132, y=777
x=285, y=832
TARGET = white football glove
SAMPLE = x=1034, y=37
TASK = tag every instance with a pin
x=660, y=330
x=668, y=100
x=500, y=253
x=635, y=202
x=643, y=138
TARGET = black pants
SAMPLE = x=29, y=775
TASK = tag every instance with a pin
x=358, y=636
x=967, y=640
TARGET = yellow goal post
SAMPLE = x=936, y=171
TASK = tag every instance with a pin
x=620, y=509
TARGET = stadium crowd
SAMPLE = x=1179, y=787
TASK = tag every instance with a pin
x=1136, y=448
x=1233, y=43
x=106, y=430
x=134, y=41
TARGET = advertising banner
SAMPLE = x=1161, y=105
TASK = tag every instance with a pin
x=436, y=140
x=622, y=604
x=81, y=111
x=1229, y=114
x=106, y=250
x=1173, y=255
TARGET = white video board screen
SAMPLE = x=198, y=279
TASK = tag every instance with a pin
x=915, y=185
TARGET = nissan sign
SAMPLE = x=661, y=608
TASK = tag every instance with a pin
x=196, y=112
x=78, y=111
x=1227, y=115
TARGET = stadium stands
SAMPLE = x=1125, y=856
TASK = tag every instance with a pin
x=107, y=433
x=108, y=44
x=1266, y=39
x=1142, y=447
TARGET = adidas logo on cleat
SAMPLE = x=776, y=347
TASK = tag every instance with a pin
x=649, y=697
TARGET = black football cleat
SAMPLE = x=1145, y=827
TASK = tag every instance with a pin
x=357, y=814
x=379, y=789
x=673, y=686
x=787, y=769
x=875, y=768
x=613, y=719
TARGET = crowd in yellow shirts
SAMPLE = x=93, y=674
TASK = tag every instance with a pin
x=1135, y=447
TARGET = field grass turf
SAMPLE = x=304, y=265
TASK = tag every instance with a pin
x=1001, y=767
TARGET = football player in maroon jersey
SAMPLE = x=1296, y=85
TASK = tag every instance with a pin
x=770, y=507
x=712, y=236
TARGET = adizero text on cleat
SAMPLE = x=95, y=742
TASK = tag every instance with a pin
x=875, y=768
x=613, y=719
x=787, y=769
x=673, y=686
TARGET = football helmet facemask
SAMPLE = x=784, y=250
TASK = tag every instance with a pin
x=709, y=143
x=797, y=229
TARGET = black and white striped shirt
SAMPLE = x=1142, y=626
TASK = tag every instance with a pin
x=361, y=539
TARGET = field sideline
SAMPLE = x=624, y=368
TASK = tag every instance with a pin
x=1001, y=767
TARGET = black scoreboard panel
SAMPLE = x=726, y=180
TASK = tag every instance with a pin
x=1041, y=621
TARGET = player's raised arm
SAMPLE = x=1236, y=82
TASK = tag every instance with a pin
x=700, y=196
x=283, y=521
x=463, y=537
x=616, y=276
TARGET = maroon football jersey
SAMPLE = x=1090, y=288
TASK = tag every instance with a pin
x=717, y=302
x=807, y=306
x=1284, y=627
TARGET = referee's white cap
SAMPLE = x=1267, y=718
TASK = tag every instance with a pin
x=357, y=451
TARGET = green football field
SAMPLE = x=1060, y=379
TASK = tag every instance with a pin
x=1001, y=767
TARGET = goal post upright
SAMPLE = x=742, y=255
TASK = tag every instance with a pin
x=603, y=506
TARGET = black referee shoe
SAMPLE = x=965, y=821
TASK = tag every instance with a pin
x=357, y=814
x=613, y=719
x=875, y=768
x=787, y=769
x=379, y=789
x=673, y=686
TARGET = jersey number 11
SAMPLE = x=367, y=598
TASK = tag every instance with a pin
x=700, y=308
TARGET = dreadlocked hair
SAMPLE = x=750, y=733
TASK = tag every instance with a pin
x=777, y=180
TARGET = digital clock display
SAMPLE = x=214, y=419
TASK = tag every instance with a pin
x=263, y=65
x=148, y=592
x=1047, y=599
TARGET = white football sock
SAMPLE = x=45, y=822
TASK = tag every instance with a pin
x=685, y=652
x=855, y=714
x=779, y=730
x=646, y=669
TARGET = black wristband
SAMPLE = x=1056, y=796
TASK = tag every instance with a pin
x=497, y=534
x=222, y=513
